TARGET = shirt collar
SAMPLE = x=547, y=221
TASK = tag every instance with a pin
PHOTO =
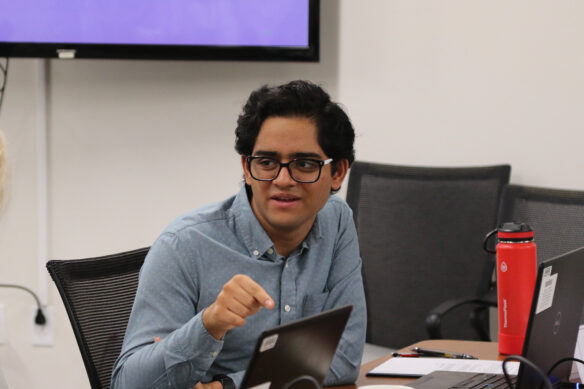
x=249, y=230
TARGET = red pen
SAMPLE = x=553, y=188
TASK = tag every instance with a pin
x=405, y=355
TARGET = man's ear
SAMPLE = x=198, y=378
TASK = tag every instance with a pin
x=340, y=171
x=246, y=173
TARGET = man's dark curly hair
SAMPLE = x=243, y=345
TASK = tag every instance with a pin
x=297, y=99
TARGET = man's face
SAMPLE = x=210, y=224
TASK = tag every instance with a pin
x=284, y=205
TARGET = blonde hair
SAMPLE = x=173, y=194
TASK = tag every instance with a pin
x=2, y=168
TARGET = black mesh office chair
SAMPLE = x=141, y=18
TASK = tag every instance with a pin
x=98, y=294
x=557, y=218
x=420, y=234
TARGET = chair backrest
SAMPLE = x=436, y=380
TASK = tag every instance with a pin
x=420, y=235
x=98, y=294
x=556, y=216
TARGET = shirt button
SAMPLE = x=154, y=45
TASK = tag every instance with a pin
x=270, y=251
x=286, y=266
x=287, y=308
x=214, y=354
x=256, y=253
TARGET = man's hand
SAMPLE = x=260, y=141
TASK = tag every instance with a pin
x=240, y=297
x=209, y=385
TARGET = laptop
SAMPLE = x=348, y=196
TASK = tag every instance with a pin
x=289, y=353
x=552, y=329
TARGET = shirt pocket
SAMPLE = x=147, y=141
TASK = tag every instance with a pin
x=313, y=303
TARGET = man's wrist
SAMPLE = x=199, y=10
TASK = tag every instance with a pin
x=225, y=381
x=214, y=332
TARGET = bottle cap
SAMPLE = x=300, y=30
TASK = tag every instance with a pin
x=515, y=231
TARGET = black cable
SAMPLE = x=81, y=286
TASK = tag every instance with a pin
x=4, y=70
x=521, y=359
x=296, y=380
x=40, y=318
x=562, y=361
x=575, y=385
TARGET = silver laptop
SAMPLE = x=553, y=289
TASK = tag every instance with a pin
x=297, y=354
x=552, y=329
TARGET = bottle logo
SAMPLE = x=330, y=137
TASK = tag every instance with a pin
x=504, y=267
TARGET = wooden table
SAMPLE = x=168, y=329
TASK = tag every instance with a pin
x=482, y=350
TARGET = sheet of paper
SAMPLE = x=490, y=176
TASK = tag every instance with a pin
x=417, y=367
x=578, y=368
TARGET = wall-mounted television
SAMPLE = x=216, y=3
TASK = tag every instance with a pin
x=256, y=30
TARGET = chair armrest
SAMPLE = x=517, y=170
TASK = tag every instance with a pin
x=434, y=318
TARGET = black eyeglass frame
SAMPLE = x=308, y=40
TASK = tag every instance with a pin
x=320, y=163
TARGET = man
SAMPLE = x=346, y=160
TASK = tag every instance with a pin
x=281, y=249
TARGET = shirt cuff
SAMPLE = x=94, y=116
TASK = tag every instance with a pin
x=192, y=343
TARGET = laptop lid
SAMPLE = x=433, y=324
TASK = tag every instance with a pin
x=553, y=325
x=552, y=329
x=305, y=347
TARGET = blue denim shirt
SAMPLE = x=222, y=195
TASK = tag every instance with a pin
x=197, y=254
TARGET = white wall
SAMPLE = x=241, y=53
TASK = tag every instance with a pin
x=132, y=144
x=467, y=83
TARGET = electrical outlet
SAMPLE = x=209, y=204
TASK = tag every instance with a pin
x=43, y=335
x=2, y=325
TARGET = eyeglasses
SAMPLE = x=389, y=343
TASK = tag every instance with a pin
x=301, y=170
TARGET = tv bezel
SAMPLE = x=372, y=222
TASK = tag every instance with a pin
x=175, y=52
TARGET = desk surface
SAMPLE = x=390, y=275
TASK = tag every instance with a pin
x=482, y=350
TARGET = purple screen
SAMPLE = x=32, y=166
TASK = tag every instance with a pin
x=161, y=22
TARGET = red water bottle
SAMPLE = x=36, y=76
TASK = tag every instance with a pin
x=516, y=273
